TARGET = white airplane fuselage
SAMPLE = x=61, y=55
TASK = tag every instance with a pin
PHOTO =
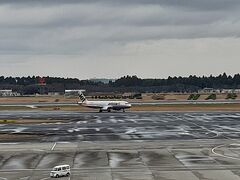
x=103, y=105
x=106, y=105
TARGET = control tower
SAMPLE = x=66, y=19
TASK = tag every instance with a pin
x=42, y=85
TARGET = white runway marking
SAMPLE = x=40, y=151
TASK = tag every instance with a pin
x=202, y=127
x=45, y=178
x=64, y=142
x=27, y=177
x=8, y=143
x=218, y=154
x=53, y=146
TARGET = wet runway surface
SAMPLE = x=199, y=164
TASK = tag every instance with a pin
x=162, y=102
x=125, y=126
x=146, y=160
x=124, y=146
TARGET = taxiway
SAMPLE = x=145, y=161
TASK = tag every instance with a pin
x=123, y=146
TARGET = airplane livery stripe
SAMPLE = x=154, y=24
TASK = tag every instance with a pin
x=82, y=97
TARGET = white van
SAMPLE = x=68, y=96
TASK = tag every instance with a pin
x=61, y=170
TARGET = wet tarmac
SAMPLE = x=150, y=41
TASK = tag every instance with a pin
x=124, y=146
x=146, y=160
x=162, y=102
x=78, y=126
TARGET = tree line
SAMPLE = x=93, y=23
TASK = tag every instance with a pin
x=31, y=85
x=221, y=81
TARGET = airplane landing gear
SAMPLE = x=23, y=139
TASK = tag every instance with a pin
x=100, y=110
x=123, y=110
x=109, y=110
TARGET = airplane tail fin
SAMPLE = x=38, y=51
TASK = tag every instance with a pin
x=82, y=97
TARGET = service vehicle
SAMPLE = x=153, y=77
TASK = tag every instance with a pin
x=59, y=171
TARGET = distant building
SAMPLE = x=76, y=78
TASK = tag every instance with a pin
x=230, y=91
x=54, y=93
x=209, y=90
x=105, y=81
x=127, y=94
x=72, y=92
x=8, y=92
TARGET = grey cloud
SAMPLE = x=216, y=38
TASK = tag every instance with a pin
x=72, y=26
x=194, y=4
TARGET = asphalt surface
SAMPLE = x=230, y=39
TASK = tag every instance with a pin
x=162, y=102
x=145, y=160
x=124, y=146
x=78, y=126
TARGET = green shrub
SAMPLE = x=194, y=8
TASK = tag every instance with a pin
x=196, y=96
x=193, y=96
x=212, y=96
x=231, y=96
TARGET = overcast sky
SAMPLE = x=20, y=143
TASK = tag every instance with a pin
x=112, y=38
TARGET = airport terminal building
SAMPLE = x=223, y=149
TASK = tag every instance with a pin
x=7, y=93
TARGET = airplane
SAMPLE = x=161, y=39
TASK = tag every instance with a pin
x=103, y=105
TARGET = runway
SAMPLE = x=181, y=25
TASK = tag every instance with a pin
x=123, y=146
x=145, y=160
x=78, y=126
x=162, y=102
